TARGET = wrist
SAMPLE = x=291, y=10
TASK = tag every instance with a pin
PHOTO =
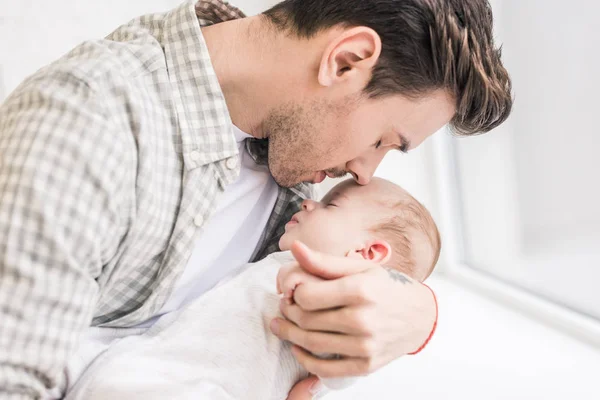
x=435, y=321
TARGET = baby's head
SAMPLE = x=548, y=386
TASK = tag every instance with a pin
x=379, y=221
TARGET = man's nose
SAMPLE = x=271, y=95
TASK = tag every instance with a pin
x=363, y=169
x=308, y=205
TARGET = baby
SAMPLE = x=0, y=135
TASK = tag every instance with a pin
x=220, y=346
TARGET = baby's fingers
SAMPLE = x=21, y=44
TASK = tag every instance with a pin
x=283, y=273
x=290, y=277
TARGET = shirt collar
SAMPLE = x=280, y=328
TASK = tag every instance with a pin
x=240, y=135
x=203, y=118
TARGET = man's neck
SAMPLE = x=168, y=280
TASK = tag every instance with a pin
x=258, y=69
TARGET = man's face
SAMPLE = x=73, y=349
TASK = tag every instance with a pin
x=311, y=140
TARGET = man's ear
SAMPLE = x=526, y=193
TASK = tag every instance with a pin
x=378, y=251
x=350, y=56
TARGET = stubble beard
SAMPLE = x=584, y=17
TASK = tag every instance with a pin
x=295, y=148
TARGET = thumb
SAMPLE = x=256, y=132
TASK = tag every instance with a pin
x=305, y=389
x=327, y=266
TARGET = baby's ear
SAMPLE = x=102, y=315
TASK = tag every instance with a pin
x=378, y=251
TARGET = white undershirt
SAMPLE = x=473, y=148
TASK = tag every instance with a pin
x=230, y=236
x=226, y=243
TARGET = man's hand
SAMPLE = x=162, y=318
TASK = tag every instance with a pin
x=368, y=314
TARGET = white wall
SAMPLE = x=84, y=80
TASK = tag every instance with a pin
x=35, y=32
x=530, y=189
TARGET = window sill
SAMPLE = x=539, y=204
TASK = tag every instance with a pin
x=485, y=350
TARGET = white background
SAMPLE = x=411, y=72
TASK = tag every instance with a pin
x=528, y=199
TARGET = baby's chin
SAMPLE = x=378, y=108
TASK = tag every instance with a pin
x=285, y=242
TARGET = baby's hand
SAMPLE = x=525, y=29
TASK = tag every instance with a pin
x=294, y=276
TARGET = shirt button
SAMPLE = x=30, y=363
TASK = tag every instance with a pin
x=198, y=220
x=195, y=155
x=231, y=163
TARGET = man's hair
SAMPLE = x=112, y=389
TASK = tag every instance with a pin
x=407, y=221
x=426, y=45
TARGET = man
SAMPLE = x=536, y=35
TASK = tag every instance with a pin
x=132, y=167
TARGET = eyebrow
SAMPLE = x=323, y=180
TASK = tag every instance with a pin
x=338, y=194
x=404, y=143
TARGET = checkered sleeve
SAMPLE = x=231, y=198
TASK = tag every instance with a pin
x=59, y=206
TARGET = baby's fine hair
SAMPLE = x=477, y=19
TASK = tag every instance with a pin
x=404, y=220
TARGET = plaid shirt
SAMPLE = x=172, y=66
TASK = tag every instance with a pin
x=111, y=160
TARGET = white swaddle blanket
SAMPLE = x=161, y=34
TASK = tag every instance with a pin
x=218, y=347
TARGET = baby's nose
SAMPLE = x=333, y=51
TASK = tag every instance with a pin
x=308, y=205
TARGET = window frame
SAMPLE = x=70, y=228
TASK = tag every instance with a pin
x=447, y=185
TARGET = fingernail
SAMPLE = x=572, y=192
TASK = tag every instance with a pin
x=275, y=327
x=317, y=390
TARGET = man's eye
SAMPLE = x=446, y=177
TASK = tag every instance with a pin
x=378, y=144
x=331, y=205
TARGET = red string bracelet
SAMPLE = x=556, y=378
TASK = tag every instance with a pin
x=434, y=323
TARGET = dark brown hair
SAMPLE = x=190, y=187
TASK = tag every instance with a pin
x=426, y=45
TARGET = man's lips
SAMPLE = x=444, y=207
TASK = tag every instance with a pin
x=319, y=177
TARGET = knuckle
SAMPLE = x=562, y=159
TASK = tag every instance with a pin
x=347, y=316
x=358, y=367
x=370, y=366
x=366, y=366
x=361, y=319
x=368, y=347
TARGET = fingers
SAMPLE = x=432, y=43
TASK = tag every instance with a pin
x=345, y=320
x=288, y=279
x=303, y=390
x=334, y=368
x=328, y=266
x=292, y=276
x=283, y=274
x=323, y=295
x=325, y=342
